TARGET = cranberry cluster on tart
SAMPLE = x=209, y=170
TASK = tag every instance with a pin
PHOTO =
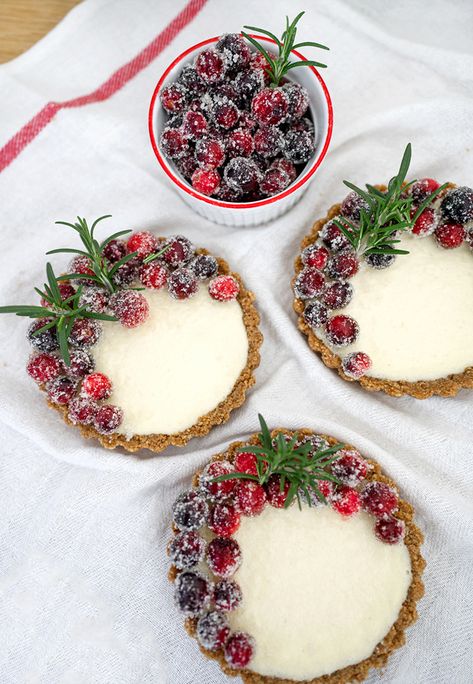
x=397, y=320
x=283, y=586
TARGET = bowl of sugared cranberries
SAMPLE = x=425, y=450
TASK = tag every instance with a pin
x=239, y=149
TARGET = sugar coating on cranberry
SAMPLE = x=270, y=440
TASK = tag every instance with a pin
x=242, y=174
x=107, y=419
x=224, y=288
x=235, y=50
x=191, y=80
x=209, y=65
x=274, y=180
x=379, y=499
x=350, y=468
x=85, y=332
x=143, y=242
x=337, y=295
x=270, y=106
x=194, y=125
x=425, y=224
x=97, y=386
x=61, y=390
x=287, y=166
x=224, y=519
x=356, y=364
x=187, y=165
x=212, y=630
x=326, y=489
x=127, y=273
x=346, y=501
x=81, y=363
x=173, y=98
x=250, y=497
x=309, y=283
x=239, y=650
x=81, y=264
x=316, y=256
x=276, y=491
x=186, y=550
x=44, y=341
x=190, y=511
x=174, y=143
x=457, y=205
x=223, y=556
x=248, y=83
x=353, y=205
x=333, y=238
x=225, y=114
x=182, y=283
x=66, y=290
x=239, y=143
x=389, y=530
x=450, y=235
x=298, y=146
x=206, y=181
x=82, y=410
x=204, y=266
x=268, y=141
x=43, y=367
x=380, y=261
x=318, y=442
x=422, y=188
x=153, y=275
x=94, y=299
x=341, y=330
x=298, y=100
x=227, y=595
x=315, y=314
x=246, y=463
x=177, y=251
x=192, y=593
x=130, y=307
x=215, y=489
x=343, y=265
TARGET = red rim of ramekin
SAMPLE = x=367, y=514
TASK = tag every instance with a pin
x=238, y=205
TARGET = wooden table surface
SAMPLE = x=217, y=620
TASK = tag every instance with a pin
x=24, y=22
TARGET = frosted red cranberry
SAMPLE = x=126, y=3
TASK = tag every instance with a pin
x=173, y=98
x=81, y=264
x=227, y=194
x=223, y=93
x=226, y=114
x=380, y=261
x=192, y=593
x=224, y=288
x=341, y=330
x=379, y=499
x=425, y=223
x=268, y=141
x=337, y=295
x=227, y=595
x=43, y=367
x=182, y=283
x=325, y=487
x=45, y=341
x=315, y=256
x=82, y=410
x=81, y=363
x=127, y=272
x=287, y=166
x=389, y=530
x=191, y=81
x=356, y=365
x=206, y=181
x=298, y=146
x=212, y=630
x=333, y=238
x=130, y=307
x=457, y=205
x=353, y=205
x=107, y=419
x=178, y=250
x=276, y=493
x=246, y=463
x=217, y=490
x=274, y=181
x=315, y=314
x=94, y=299
x=190, y=511
x=346, y=501
x=421, y=189
x=247, y=121
x=239, y=650
x=318, y=443
x=174, y=143
x=239, y=143
x=142, y=242
x=242, y=175
x=269, y=106
x=61, y=390
x=153, y=275
x=248, y=83
x=309, y=283
x=97, y=386
x=204, y=266
x=65, y=290
x=223, y=556
x=194, y=125
x=85, y=332
x=209, y=66
x=250, y=497
x=187, y=165
x=186, y=550
x=298, y=100
x=344, y=265
x=224, y=519
x=258, y=61
x=450, y=235
x=235, y=51
x=349, y=468
x=304, y=124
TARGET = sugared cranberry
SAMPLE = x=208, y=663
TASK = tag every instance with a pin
x=337, y=295
x=210, y=152
x=298, y=146
x=226, y=114
x=235, y=51
x=174, y=143
x=317, y=442
x=43, y=367
x=276, y=494
x=142, y=242
x=153, y=275
x=85, y=332
x=212, y=630
x=182, y=283
x=268, y=141
x=81, y=264
x=274, y=181
x=97, y=386
x=350, y=468
x=194, y=125
x=223, y=556
x=173, y=98
x=178, y=250
x=191, y=81
x=94, y=299
x=421, y=189
x=240, y=143
x=220, y=489
x=61, y=390
x=127, y=273
x=82, y=410
x=248, y=83
x=65, y=290
x=45, y=341
x=81, y=363
x=298, y=100
x=224, y=519
x=224, y=288
x=107, y=419
x=258, y=61
x=204, y=266
x=192, y=594
x=346, y=501
x=130, y=307
x=450, y=235
x=247, y=121
x=250, y=497
x=186, y=550
x=206, y=181
x=187, y=165
x=380, y=261
x=246, y=463
x=239, y=650
x=287, y=166
x=190, y=511
x=315, y=256
x=333, y=238
x=269, y=106
x=457, y=205
x=304, y=124
x=379, y=499
x=225, y=92
x=389, y=530
x=315, y=314
x=309, y=283
x=425, y=224
x=209, y=66
x=227, y=194
x=325, y=487
x=355, y=365
x=344, y=265
x=353, y=205
x=341, y=330
x=242, y=174
x=227, y=595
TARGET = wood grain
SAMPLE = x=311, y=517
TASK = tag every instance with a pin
x=24, y=22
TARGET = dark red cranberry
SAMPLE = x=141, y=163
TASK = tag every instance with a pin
x=187, y=165
x=61, y=390
x=130, y=307
x=107, y=419
x=379, y=499
x=194, y=125
x=315, y=314
x=333, y=238
x=344, y=265
x=316, y=256
x=81, y=264
x=239, y=143
x=204, y=266
x=82, y=410
x=210, y=152
x=242, y=175
x=94, y=299
x=209, y=66
x=425, y=224
x=178, y=251
x=304, y=124
x=355, y=365
x=44, y=367
x=45, y=341
x=182, y=283
x=212, y=630
x=190, y=511
x=298, y=99
x=223, y=556
x=174, y=143
x=389, y=530
x=353, y=205
x=276, y=493
x=226, y=115
x=337, y=295
x=192, y=594
x=81, y=363
x=457, y=205
x=380, y=261
x=66, y=290
x=228, y=194
x=239, y=650
x=298, y=146
x=286, y=166
x=186, y=550
x=250, y=497
x=268, y=141
x=227, y=595
x=223, y=93
x=274, y=180
x=309, y=283
x=206, y=181
x=341, y=330
x=247, y=120
x=191, y=81
x=450, y=235
x=85, y=332
x=224, y=519
x=173, y=98
x=217, y=490
x=349, y=468
x=421, y=189
x=269, y=106
x=127, y=272
x=235, y=51
x=248, y=83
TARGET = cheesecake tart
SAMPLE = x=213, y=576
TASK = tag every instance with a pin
x=295, y=560
x=146, y=342
x=383, y=286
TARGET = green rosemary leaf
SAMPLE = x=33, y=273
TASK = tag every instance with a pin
x=62, y=339
x=69, y=225
x=52, y=282
x=98, y=316
x=265, y=32
x=43, y=295
x=101, y=218
x=122, y=261
x=260, y=48
x=428, y=201
x=365, y=195
x=309, y=43
x=304, y=62
x=265, y=434
x=235, y=476
x=385, y=250
x=291, y=493
x=67, y=250
x=26, y=310
x=78, y=276
x=45, y=327
x=113, y=237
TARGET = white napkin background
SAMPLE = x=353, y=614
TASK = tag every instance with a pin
x=83, y=587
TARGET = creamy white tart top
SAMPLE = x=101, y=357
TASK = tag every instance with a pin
x=320, y=591
x=416, y=316
x=178, y=365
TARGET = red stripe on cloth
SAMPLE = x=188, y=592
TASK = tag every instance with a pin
x=117, y=80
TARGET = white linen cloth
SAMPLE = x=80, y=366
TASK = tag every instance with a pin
x=83, y=587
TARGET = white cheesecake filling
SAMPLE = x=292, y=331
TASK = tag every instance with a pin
x=416, y=316
x=319, y=591
x=177, y=366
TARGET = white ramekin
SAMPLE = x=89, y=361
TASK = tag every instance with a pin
x=261, y=211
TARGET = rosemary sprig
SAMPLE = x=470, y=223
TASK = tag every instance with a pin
x=388, y=213
x=280, y=65
x=61, y=312
x=296, y=464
